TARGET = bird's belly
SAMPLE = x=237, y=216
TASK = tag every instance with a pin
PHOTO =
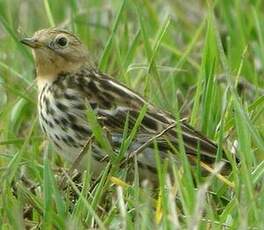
x=64, y=122
x=67, y=141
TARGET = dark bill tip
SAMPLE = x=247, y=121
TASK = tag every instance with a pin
x=31, y=42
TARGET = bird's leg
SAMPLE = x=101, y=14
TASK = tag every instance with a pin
x=77, y=161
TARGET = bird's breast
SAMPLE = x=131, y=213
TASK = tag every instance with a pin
x=62, y=116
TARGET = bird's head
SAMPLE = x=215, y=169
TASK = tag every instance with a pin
x=56, y=51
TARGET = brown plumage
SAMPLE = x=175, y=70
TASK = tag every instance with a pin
x=67, y=82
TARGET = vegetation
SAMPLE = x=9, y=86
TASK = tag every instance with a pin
x=199, y=60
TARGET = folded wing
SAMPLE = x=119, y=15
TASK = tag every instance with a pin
x=114, y=103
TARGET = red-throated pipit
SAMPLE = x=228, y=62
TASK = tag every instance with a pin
x=67, y=84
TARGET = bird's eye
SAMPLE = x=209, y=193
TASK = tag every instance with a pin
x=62, y=41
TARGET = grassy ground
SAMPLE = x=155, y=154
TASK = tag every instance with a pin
x=200, y=60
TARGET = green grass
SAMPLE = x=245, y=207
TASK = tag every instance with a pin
x=202, y=60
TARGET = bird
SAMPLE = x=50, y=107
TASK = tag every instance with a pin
x=69, y=83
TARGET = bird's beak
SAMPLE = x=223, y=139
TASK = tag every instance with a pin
x=31, y=42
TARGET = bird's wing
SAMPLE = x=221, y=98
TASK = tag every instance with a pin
x=113, y=103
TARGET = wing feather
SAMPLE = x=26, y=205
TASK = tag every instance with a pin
x=114, y=102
